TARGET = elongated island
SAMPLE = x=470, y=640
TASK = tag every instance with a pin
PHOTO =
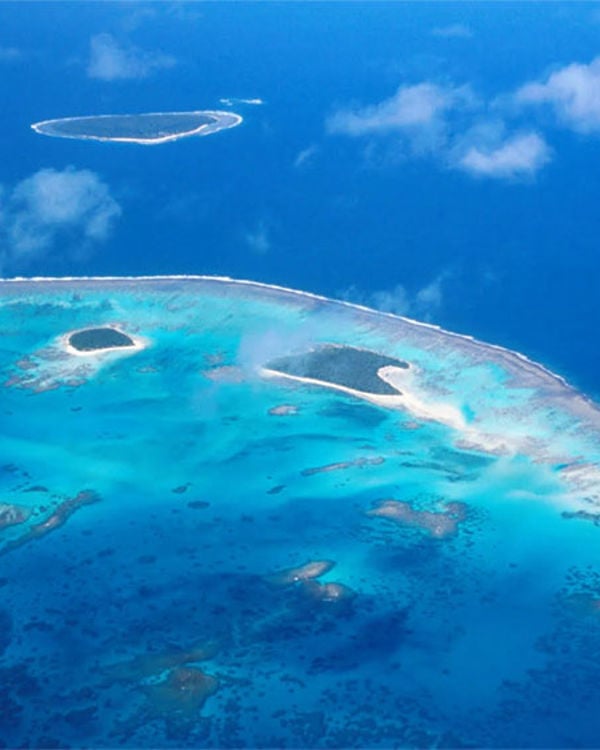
x=148, y=128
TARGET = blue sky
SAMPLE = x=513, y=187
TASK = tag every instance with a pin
x=436, y=160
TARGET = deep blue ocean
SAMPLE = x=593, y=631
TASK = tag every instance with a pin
x=200, y=492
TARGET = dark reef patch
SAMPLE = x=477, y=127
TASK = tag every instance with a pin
x=583, y=515
x=364, y=415
x=198, y=504
x=5, y=630
x=377, y=638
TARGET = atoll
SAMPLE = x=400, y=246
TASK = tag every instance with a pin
x=147, y=129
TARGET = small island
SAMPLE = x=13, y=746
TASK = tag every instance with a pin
x=342, y=366
x=90, y=342
x=98, y=339
x=147, y=128
x=365, y=374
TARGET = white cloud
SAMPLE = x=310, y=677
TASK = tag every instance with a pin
x=518, y=155
x=71, y=207
x=453, y=31
x=110, y=61
x=395, y=300
x=424, y=303
x=138, y=17
x=429, y=299
x=258, y=239
x=573, y=92
x=305, y=156
x=232, y=101
x=495, y=138
x=418, y=106
x=418, y=120
x=450, y=124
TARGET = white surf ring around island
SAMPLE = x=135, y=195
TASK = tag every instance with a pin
x=225, y=120
x=138, y=343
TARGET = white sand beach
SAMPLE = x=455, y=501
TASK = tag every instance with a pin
x=138, y=343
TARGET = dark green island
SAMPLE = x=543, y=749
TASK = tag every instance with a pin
x=97, y=339
x=344, y=366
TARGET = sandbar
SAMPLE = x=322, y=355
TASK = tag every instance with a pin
x=402, y=393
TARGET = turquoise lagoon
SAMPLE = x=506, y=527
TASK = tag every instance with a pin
x=199, y=551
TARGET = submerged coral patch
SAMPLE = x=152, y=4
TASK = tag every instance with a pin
x=327, y=592
x=57, y=518
x=184, y=691
x=151, y=664
x=11, y=515
x=305, y=572
x=440, y=524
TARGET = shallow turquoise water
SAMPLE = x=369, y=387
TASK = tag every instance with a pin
x=487, y=636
